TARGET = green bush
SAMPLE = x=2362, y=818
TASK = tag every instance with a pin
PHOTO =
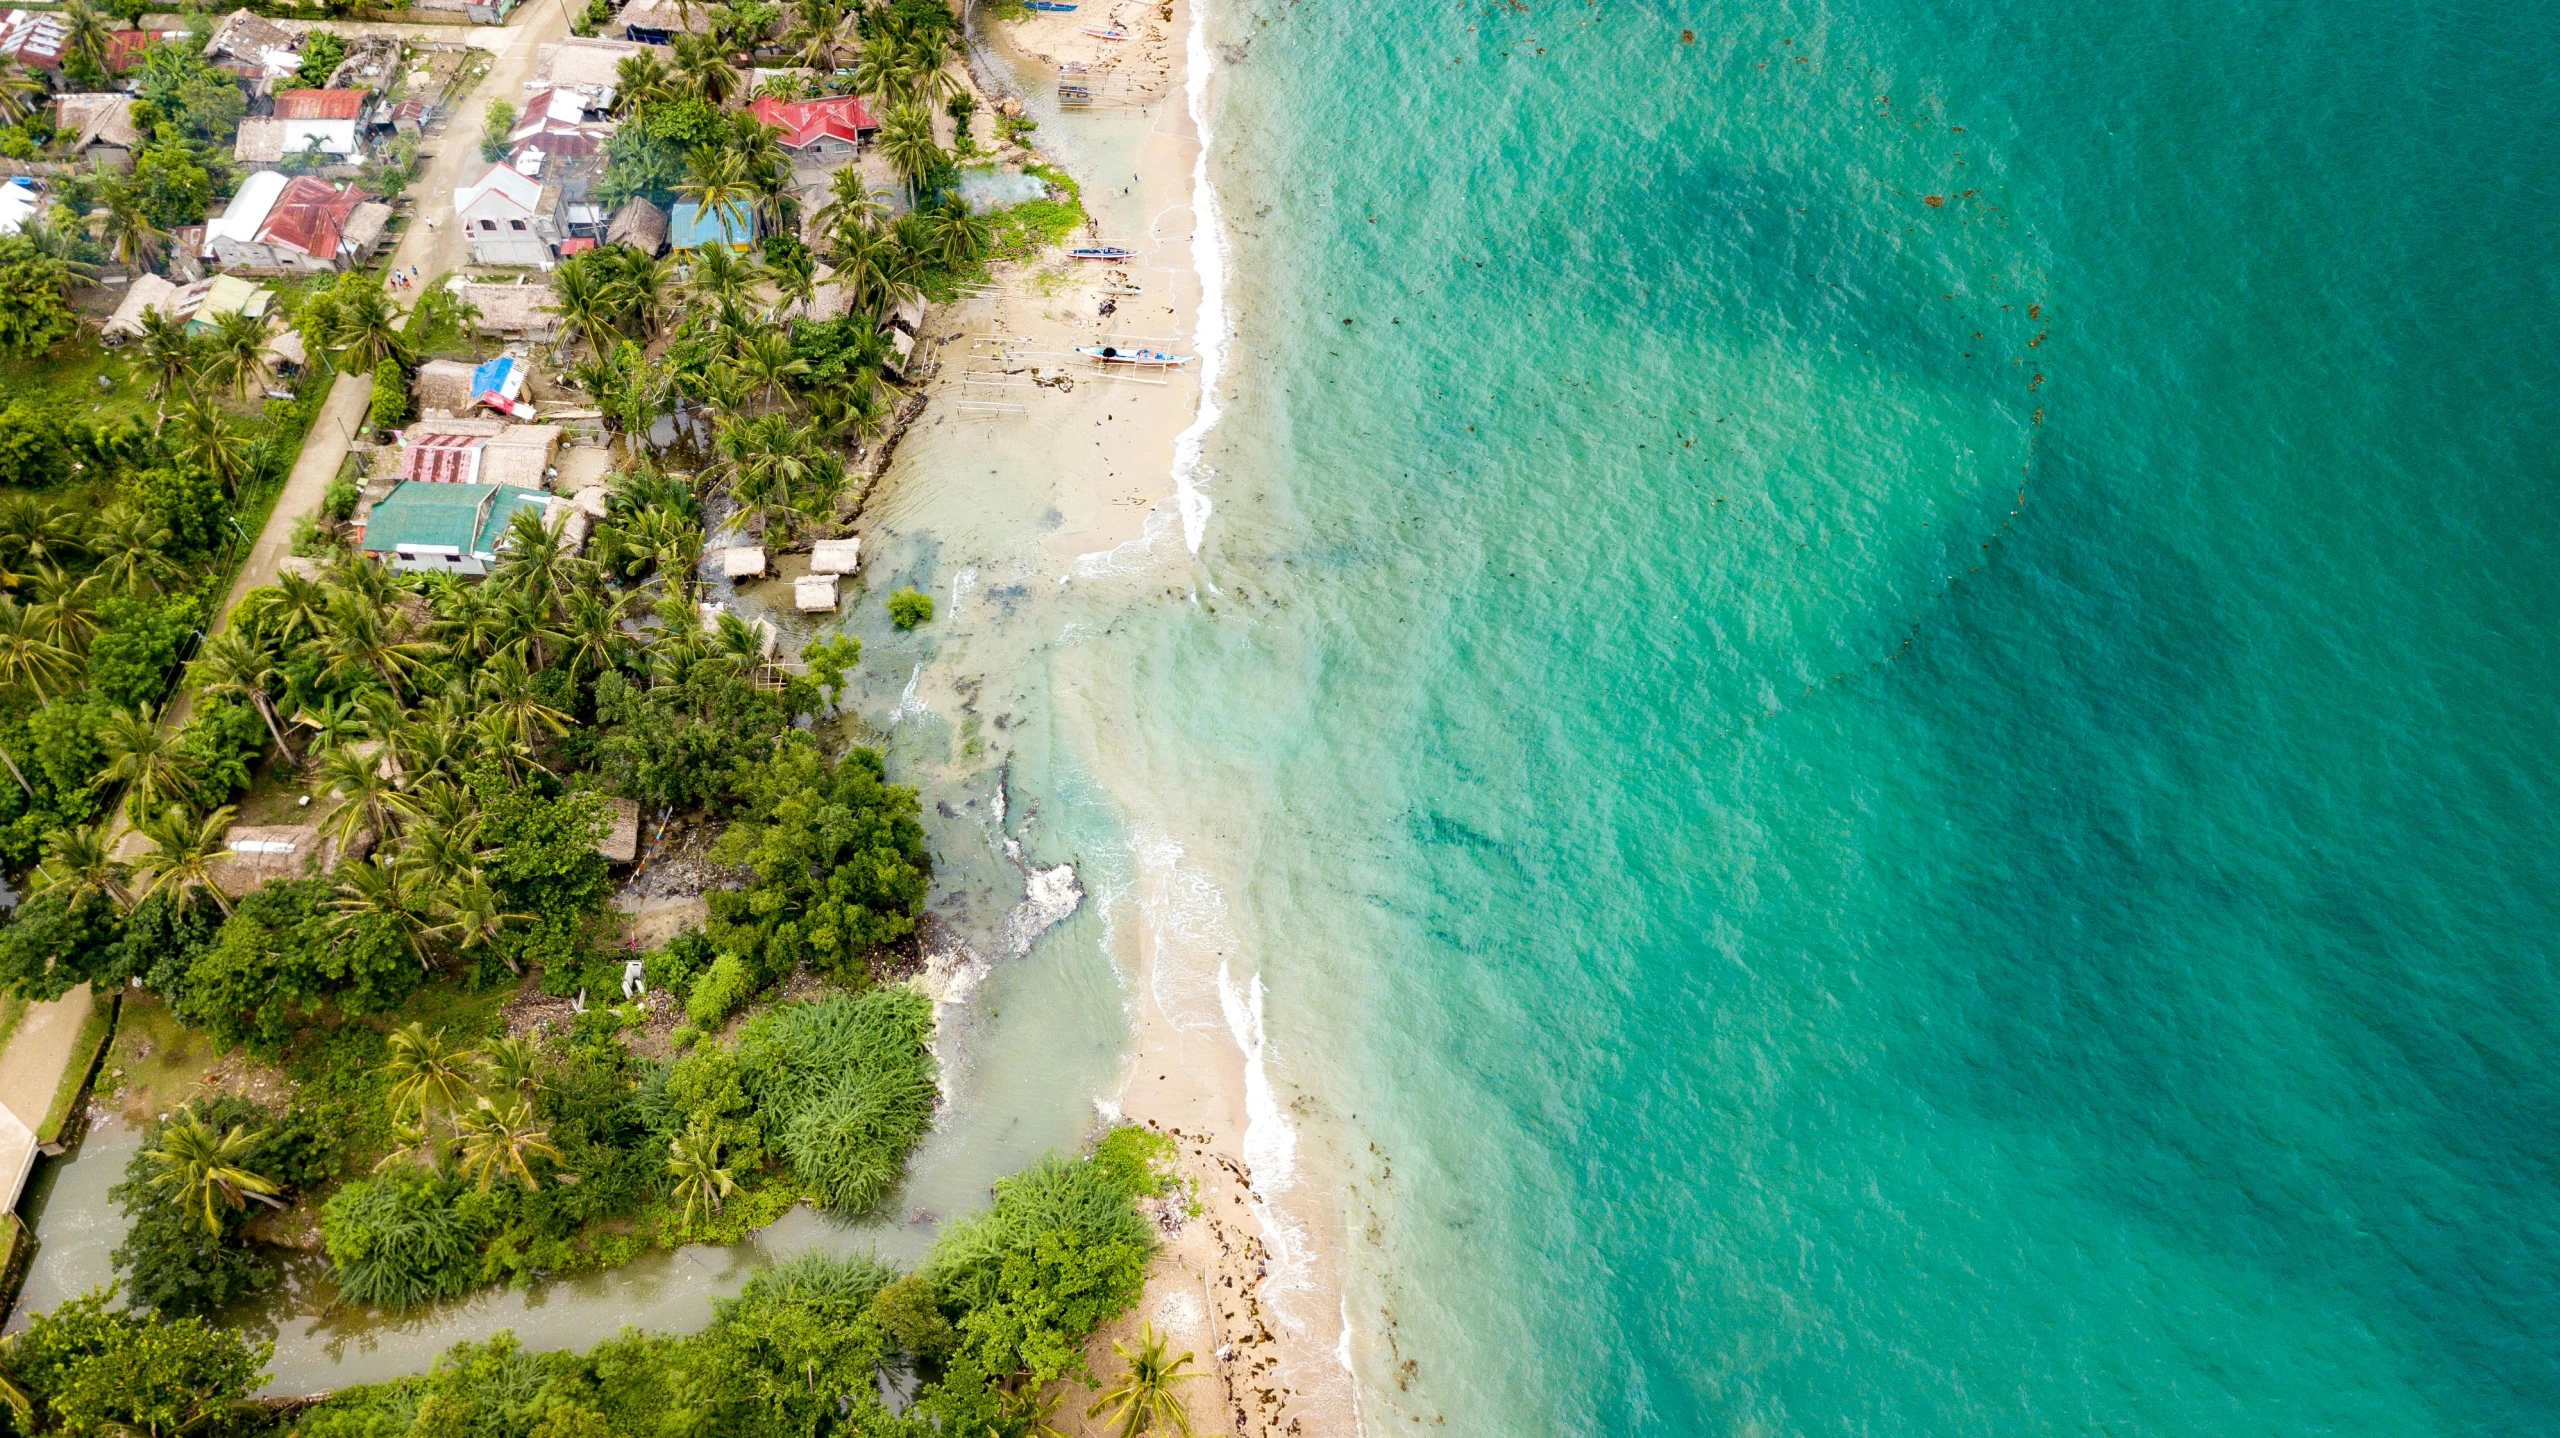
x=390, y=402
x=1139, y=1160
x=1060, y=1254
x=401, y=1240
x=90, y=1369
x=496, y=121
x=845, y=1087
x=910, y=607
x=138, y=639
x=722, y=990
x=839, y=862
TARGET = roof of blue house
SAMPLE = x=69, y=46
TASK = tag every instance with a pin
x=691, y=227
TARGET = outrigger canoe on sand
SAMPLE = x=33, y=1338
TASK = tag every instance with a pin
x=1099, y=33
x=1100, y=252
x=1152, y=359
x=1048, y=5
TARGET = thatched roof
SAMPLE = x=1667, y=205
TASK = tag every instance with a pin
x=256, y=855
x=443, y=385
x=148, y=292
x=285, y=347
x=835, y=556
x=621, y=843
x=639, y=224
x=365, y=226
x=97, y=120
x=520, y=455
x=742, y=561
x=814, y=593
x=512, y=309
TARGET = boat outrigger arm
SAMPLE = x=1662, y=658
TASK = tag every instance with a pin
x=1152, y=359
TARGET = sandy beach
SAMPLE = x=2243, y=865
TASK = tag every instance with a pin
x=1045, y=492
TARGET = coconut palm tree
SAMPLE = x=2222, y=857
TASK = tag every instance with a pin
x=716, y=179
x=170, y=352
x=638, y=80
x=1144, y=1398
x=359, y=639
x=89, y=30
x=183, y=848
x=876, y=271
x=145, y=756
x=593, y=623
x=80, y=864
x=205, y=1172
x=849, y=201
x=961, y=234
x=132, y=550
x=38, y=534
x=290, y=610
x=366, y=329
x=883, y=72
x=512, y=1065
x=229, y=666
x=429, y=1074
x=906, y=141
x=20, y=91
x=502, y=1141
x=582, y=295
x=368, y=798
x=765, y=359
x=239, y=345
x=131, y=238
x=66, y=609
x=702, y=1185
x=208, y=436
x=506, y=689
x=473, y=917
x=384, y=889
x=705, y=68
x=821, y=33
x=29, y=659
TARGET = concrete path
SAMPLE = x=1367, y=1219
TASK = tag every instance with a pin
x=40, y=1054
x=341, y=418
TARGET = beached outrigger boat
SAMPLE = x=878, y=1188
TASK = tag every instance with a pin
x=1049, y=5
x=1112, y=33
x=1149, y=359
x=1100, y=252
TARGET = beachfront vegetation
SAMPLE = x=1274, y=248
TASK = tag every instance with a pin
x=980, y=1330
x=910, y=607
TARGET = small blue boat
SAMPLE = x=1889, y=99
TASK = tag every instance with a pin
x=1099, y=252
x=1144, y=358
x=1048, y=5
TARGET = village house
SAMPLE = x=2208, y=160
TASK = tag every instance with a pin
x=300, y=224
x=97, y=127
x=589, y=67
x=329, y=120
x=257, y=49
x=515, y=312
x=639, y=224
x=512, y=219
x=659, y=22
x=476, y=451
x=447, y=528
x=831, y=131
x=692, y=227
x=554, y=126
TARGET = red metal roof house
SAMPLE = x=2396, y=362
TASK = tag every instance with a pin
x=829, y=129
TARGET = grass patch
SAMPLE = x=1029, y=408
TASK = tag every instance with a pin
x=156, y=1063
x=68, y=374
x=94, y=1033
x=1020, y=232
x=12, y=1009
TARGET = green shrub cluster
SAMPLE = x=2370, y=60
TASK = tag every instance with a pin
x=846, y=1087
x=1001, y=1305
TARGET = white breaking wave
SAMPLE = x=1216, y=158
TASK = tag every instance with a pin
x=1127, y=557
x=1209, y=261
x=909, y=706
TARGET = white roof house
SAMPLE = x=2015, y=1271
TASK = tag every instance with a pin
x=18, y=204
x=248, y=211
x=835, y=556
x=498, y=191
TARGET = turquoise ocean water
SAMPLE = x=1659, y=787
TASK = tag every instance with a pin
x=1887, y=674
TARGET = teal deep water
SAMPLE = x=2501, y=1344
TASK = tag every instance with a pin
x=1901, y=654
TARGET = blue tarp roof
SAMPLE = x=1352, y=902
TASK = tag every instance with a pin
x=491, y=377
x=690, y=227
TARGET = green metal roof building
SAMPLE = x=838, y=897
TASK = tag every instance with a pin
x=445, y=528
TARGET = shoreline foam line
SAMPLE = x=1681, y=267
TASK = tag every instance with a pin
x=1209, y=262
